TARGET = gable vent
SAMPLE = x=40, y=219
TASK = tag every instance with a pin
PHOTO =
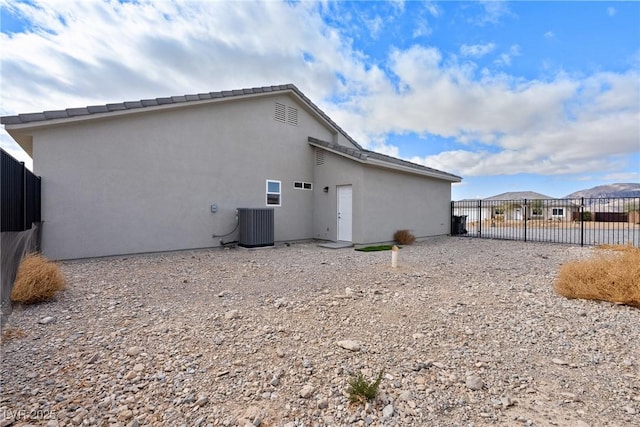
x=319, y=157
x=281, y=112
x=292, y=116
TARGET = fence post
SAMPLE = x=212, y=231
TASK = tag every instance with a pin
x=451, y=219
x=24, y=196
x=479, y=218
x=581, y=221
x=525, y=220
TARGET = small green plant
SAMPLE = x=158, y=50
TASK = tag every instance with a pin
x=375, y=248
x=404, y=237
x=360, y=390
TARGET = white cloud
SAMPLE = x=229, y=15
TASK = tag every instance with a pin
x=375, y=26
x=111, y=52
x=504, y=60
x=565, y=125
x=549, y=35
x=611, y=11
x=434, y=9
x=398, y=5
x=422, y=29
x=476, y=50
x=622, y=177
x=493, y=11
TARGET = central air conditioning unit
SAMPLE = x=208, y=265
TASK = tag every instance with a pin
x=256, y=227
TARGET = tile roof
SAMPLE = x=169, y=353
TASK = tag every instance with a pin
x=356, y=154
x=364, y=155
x=68, y=113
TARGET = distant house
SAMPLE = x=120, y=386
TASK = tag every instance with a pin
x=515, y=206
x=169, y=173
x=511, y=205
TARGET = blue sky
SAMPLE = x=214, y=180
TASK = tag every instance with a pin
x=512, y=96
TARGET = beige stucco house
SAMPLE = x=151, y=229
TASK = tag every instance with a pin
x=169, y=173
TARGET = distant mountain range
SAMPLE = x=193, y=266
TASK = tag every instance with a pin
x=612, y=190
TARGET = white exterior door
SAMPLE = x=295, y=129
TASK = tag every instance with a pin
x=344, y=213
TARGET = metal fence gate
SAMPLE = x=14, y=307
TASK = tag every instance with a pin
x=583, y=221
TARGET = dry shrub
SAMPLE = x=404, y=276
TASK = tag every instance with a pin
x=404, y=237
x=612, y=276
x=38, y=279
x=617, y=248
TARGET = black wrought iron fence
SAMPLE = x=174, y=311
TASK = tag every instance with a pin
x=583, y=221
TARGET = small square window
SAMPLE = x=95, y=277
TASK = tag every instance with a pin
x=300, y=185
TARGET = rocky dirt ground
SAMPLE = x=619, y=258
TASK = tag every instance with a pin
x=468, y=332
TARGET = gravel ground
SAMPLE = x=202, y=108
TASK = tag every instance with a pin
x=468, y=332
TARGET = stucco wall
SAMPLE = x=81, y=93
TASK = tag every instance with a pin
x=335, y=171
x=396, y=200
x=145, y=182
x=384, y=201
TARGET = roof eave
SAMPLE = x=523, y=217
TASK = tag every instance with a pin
x=339, y=153
x=431, y=174
x=25, y=141
x=38, y=124
x=386, y=165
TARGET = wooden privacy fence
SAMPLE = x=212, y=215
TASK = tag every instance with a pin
x=19, y=195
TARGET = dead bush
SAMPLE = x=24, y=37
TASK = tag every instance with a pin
x=611, y=276
x=404, y=237
x=38, y=279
